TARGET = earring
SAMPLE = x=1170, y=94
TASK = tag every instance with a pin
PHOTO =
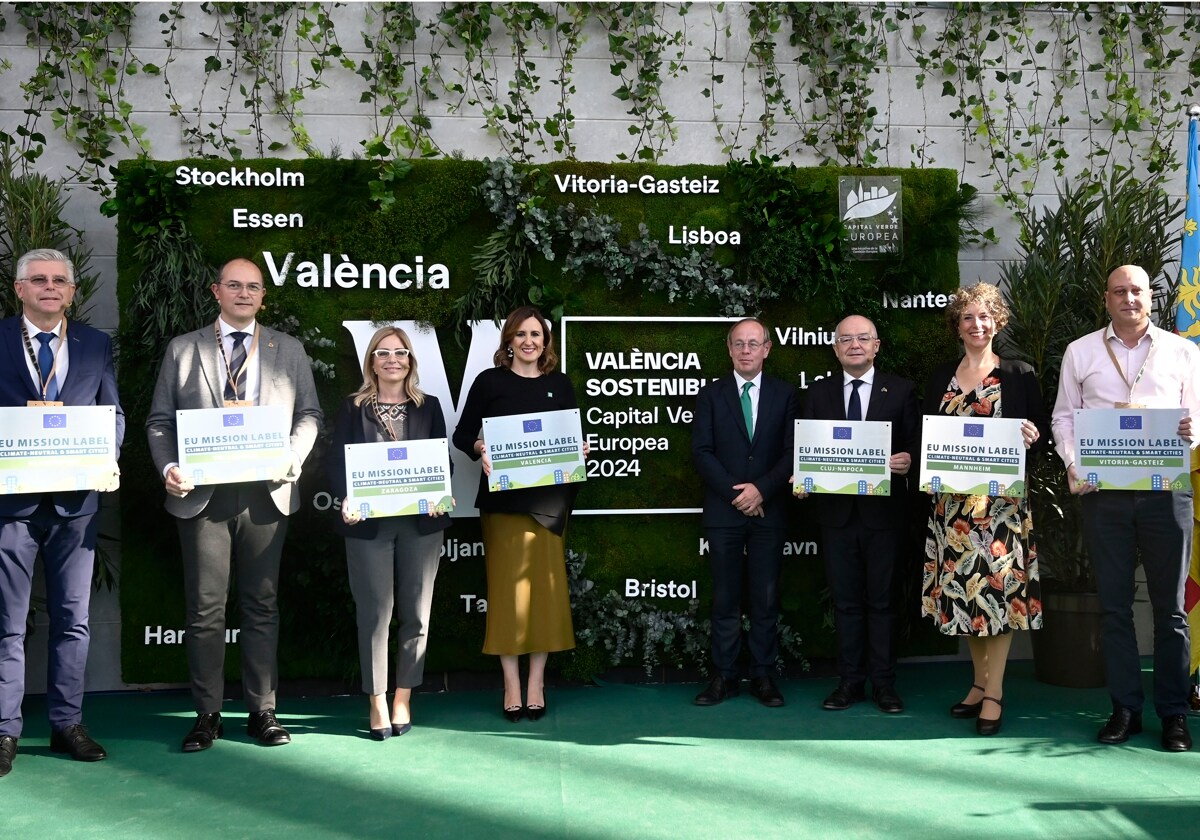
x=510, y=352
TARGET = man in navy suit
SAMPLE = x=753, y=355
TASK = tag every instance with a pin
x=742, y=448
x=43, y=361
x=862, y=538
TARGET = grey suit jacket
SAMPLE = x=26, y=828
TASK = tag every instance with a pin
x=189, y=378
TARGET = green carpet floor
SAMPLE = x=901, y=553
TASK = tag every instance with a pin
x=616, y=761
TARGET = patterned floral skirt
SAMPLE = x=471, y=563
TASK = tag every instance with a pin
x=981, y=571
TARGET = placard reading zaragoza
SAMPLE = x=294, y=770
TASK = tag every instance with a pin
x=398, y=478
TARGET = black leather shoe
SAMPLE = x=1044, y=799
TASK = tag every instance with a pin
x=844, y=696
x=265, y=729
x=513, y=713
x=990, y=726
x=888, y=700
x=718, y=691
x=8, y=753
x=535, y=712
x=381, y=734
x=205, y=730
x=1122, y=724
x=76, y=741
x=965, y=711
x=766, y=691
x=401, y=728
x=1175, y=737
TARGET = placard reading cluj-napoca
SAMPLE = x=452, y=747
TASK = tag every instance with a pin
x=392, y=478
x=848, y=457
x=973, y=457
x=1131, y=448
x=47, y=449
x=533, y=450
x=228, y=445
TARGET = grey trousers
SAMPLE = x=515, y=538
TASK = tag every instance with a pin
x=240, y=526
x=393, y=574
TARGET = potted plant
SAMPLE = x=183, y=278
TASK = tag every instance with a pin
x=1055, y=290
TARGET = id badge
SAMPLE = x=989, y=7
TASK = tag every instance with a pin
x=37, y=403
x=1128, y=405
x=238, y=403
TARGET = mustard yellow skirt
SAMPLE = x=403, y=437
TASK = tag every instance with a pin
x=529, y=605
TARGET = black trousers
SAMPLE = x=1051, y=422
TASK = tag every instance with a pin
x=1119, y=527
x=746, y=559
x=861, y=567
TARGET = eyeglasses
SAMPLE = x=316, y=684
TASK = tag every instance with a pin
x=41, y=281
x=237, y=288
x=746, y=345
x=847, y=340
x=385, y=353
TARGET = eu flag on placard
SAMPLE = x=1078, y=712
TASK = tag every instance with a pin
x=531, y=426
x=841, y=433
x=1131, y=421
x=54, y=421
x=1187, y=307
x=973, y=430
x=398, y=453
x=233, y=420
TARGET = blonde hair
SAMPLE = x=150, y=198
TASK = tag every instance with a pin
x=370, y=385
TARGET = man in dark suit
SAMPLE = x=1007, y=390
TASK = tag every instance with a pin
x=862, y=538
x=43, y=361
x=235, y=361
x=742, y=448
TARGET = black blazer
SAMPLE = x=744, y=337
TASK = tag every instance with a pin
x=724, y=455
x=1020, y=393
x=358, y=424
x=894, y=400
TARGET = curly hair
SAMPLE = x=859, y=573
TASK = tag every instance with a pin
x=982, y=294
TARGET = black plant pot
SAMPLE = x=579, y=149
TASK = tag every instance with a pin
x=1066, y=651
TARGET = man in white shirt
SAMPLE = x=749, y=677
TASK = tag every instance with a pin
x=1132, y=363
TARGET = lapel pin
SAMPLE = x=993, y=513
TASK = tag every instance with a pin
x=271, y=345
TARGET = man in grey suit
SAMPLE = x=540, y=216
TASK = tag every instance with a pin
x=235, y=361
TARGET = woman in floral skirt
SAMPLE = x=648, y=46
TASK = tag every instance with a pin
x=981, y=573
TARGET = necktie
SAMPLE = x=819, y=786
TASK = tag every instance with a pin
x=236, y=374
x=46, y=365
x=747, y=409
x=854, y=410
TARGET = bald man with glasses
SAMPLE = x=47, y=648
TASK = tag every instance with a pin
x=233, y=528
x=863, y=537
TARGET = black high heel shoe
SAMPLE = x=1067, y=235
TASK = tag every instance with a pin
x=984, y=726
x=401, y=728
x=514, y=713
x=964, y=711
x=536, y=712
x=381, y=734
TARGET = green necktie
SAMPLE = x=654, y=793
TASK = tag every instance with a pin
x=748, y=410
